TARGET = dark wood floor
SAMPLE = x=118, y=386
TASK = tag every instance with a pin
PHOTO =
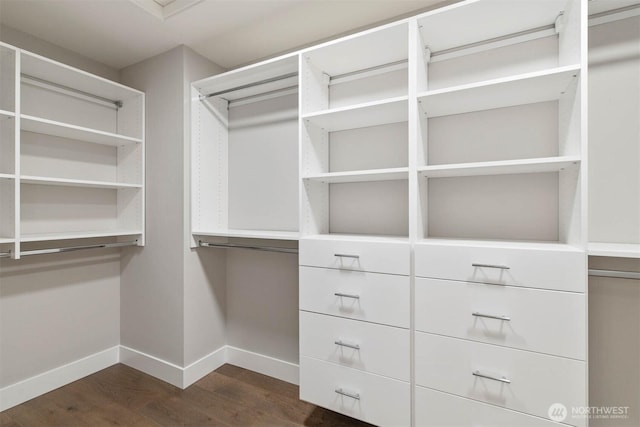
x=119, y=395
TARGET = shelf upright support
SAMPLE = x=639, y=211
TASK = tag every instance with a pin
x=15, y=254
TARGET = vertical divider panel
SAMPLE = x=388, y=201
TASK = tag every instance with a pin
x=16, y=136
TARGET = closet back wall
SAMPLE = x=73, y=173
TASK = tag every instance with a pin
x=56, y=309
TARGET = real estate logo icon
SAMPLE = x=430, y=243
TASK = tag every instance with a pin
x=557, y=412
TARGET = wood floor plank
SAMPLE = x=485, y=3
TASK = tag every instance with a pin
x=120, y=395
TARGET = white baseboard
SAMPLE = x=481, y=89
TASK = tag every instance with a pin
x=22, y=391
x=161, y=369
x=285, y=371
x=204, y=366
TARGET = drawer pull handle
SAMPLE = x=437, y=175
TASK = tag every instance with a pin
x=501, y=267
x=347, y=256
x=341, y=295
x=346, y=344
x=491, y=316
x=355, y=396
x=489, y=377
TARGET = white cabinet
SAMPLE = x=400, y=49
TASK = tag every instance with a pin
x=72, y=154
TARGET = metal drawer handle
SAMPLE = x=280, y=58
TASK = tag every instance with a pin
x=347, y=256
x=345, y=344
x=355, y=396
x=489, y=377
x=491, y=316
x=501, y=267
x=340, y=294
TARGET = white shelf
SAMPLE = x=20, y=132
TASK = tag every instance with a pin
x=358, y=238
x=508, y=244
x=55, y=72
x=548, y=164
x=620, y=250
x=64, y=130
x=361, y=176
x=251, y=234
x=41, y=237
x=484, y=20
x=6, y=114
x=367, y=114
x=530, y=88
x=4, y=240
x=40, y=180
x=7, y=176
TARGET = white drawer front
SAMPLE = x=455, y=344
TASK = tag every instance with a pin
x=379, y=298
x=534, y=268
x=436, y=409
x=378, y=349
x=537, y=381
x=539, y=320
x=379, y=257
x=375, y=399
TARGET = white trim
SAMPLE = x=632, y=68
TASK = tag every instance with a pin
x=204, y=366
x=158, y=368
x=276, y=368
x=45, y=382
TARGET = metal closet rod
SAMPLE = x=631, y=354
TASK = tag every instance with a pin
x=617, y=274
x=251, y=247
x=69, y=249
x=35, y=81
x=250, y=85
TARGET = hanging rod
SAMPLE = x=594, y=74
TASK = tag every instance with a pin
x=249, y=85
x=368, y=72
x=289, y=90
x=70, y=249
x=494, y=43
x=255, y=248
x=35, y=81
x=618, y=274
x=614, y=15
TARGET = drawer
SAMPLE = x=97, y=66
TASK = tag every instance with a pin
x=378, y=349
x=379, y=298
x=544, y=321
x=436, y=409
x=561, y=269
x=368, y=397
x=537, y=381
x=360, y=255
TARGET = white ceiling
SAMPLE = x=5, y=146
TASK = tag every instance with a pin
x=119, y=33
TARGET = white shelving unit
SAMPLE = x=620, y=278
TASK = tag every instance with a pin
x=244, y=153
x=614, y=132
x=72, y=154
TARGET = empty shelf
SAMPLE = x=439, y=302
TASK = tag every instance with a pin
x=7, y=176
x=74, y=182
x=251, y=234
x=367, y=114
x=527, y=88
x=6, y=114
x=620, y=250
x=64, y=130
x=41, y=237
x=361, y=176
x=549, y=164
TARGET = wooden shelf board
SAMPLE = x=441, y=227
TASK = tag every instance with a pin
x=367, y=114
x=40, y=180
x=619, y=250
x=251, y=234
x=41, y=237
x=541, y=165
x=484, y=20
x=530, y=88
x=361, y=176
x=65, y=130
